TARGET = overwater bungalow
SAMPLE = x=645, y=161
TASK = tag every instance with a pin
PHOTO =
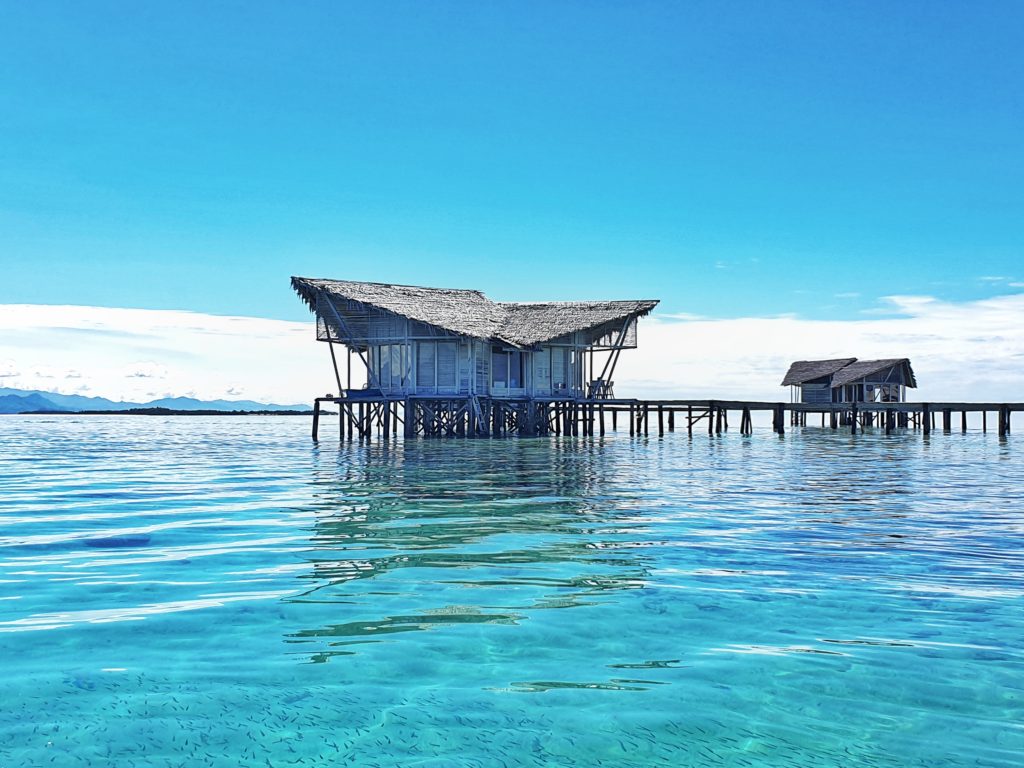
x=849, y=380
x=454, y=358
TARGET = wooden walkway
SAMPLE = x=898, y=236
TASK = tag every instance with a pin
x=460, y=416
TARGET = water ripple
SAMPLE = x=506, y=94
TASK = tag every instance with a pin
x=178, y=591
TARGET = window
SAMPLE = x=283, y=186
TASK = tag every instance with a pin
x=437, y=366
x=508, y=369
x=559, y=369
x=499, y=369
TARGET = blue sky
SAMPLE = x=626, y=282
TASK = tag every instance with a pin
x=732, y=159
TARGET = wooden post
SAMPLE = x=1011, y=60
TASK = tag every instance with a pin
x=853, y=419
x=661, y=421
x=671, y=420
x=632, y=420
x=600, y=414
x=387, y=420
x=647, y=418
x=926, y=419
x=963, y=421
x=316, y=419
x=779, y=420
x=689, y=420
x=984, y=421
x=615, y=419
x=409, y=429
x=947, y=418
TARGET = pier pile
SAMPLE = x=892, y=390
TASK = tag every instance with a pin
x=385, y=417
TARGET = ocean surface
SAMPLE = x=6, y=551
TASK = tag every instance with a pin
x=222, y=592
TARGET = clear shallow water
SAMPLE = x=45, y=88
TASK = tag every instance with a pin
x=204, y=591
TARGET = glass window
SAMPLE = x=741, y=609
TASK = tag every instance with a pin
x=384, y=371
x=397, y=369
x=515, y=369
x=499, y=369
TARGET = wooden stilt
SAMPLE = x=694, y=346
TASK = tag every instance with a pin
x=316, y=419
x=409, y=428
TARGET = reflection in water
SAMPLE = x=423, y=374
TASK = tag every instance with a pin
x=482, y=516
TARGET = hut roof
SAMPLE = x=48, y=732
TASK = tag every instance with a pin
x=862, y=368
x=808, y=370
x=527, y=324
x=471, y=313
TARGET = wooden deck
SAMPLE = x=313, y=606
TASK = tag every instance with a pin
x=384, y=417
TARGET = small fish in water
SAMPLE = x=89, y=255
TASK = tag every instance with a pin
x=80, y=682
x=110, y=542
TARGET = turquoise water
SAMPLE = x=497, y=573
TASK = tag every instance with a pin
x=219, y=591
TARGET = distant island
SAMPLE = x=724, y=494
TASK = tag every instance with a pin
x=14, y=401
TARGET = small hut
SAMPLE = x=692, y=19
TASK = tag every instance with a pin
x=849, y=380
x=420, y=342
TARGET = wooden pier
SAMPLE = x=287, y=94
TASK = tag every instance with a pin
x=386, y=417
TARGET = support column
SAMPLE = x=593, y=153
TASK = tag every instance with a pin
x=409, y=429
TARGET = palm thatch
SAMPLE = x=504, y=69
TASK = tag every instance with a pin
x=808, y=370
x=528, y=324
x=468, y=313
x=471, y=313
x=864, y=368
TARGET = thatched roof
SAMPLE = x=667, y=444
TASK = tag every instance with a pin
x=809, y=370
x=528, y=324
x=470, y=313
x=861, y=368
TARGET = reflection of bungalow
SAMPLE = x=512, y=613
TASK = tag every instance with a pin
x=848, y=380
x=439, y=342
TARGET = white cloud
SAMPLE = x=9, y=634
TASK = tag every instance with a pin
x=130, y=353
x=972, y=350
